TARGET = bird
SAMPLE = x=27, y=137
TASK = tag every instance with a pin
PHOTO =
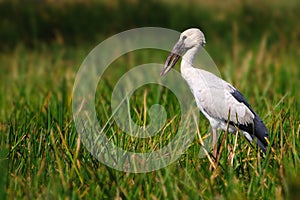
x=222, y=104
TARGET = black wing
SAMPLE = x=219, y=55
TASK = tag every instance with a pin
x=258, y=128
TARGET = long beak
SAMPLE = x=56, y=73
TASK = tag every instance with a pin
x=172, y=58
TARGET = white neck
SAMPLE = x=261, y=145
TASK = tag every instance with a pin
x=186, y=67
x=188, y=58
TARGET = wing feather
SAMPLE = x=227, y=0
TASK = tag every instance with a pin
x=220, y=100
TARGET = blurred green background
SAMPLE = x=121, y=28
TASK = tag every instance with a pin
x=70, y=22
x=255, y=44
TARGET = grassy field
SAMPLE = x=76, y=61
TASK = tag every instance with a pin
x=41, y=155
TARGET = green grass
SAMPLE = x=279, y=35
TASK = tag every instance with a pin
x=41, y=155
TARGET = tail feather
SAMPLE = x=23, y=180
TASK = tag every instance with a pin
x=261, y=133
x=257, y=130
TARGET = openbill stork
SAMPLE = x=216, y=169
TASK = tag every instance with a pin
x=222, y=104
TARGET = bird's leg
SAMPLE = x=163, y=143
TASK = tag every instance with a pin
x=215, y=140
x=231, y=155
x=215, y=149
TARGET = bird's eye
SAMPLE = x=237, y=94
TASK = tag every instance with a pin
x=184, y=37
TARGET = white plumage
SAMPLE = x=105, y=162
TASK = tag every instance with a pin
x=218, y=100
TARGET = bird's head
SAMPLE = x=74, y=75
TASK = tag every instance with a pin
x=190, y=38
